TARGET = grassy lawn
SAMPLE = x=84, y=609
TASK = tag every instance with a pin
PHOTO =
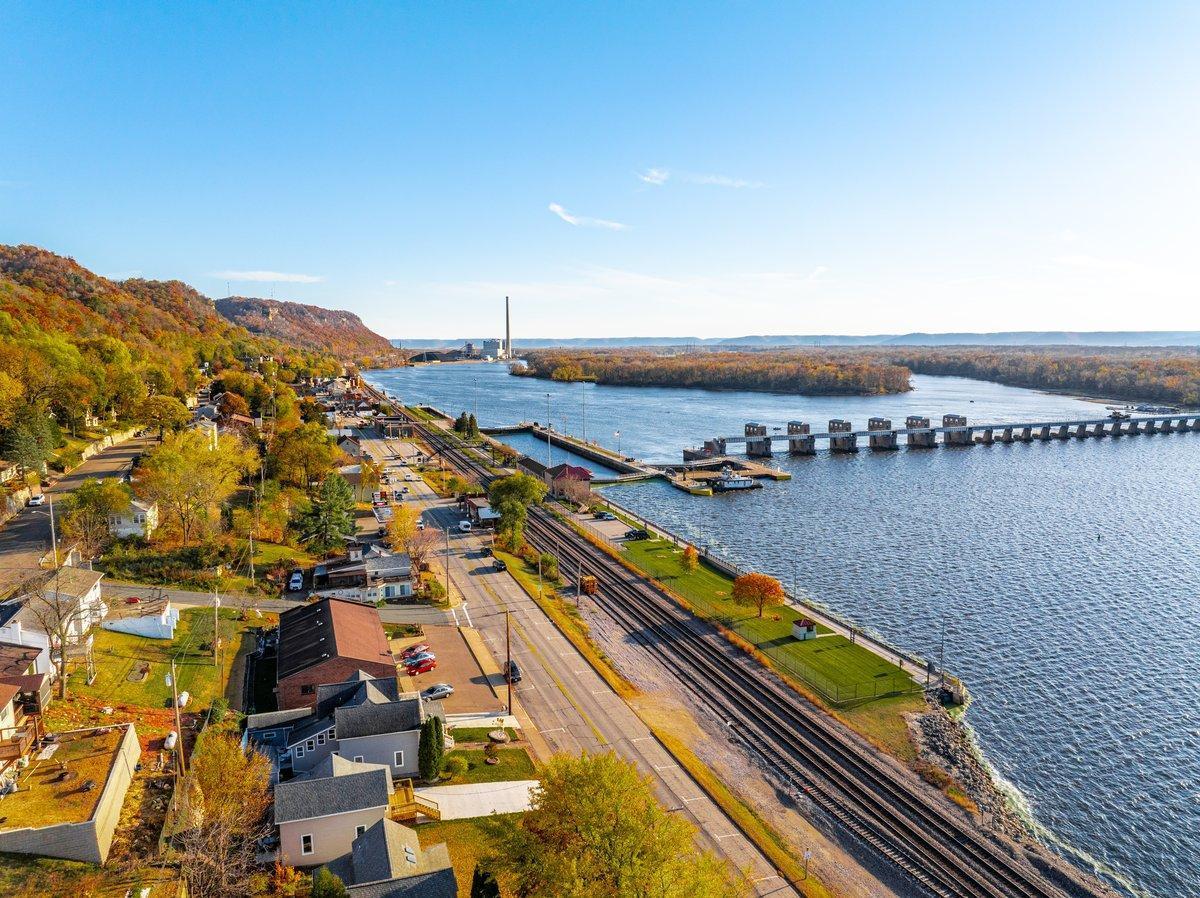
x=515, y=764
x=42, y=800
x=267, y=554
x=120, y=657
x=837, y=668
x=467, y=840
x=25, y=876
x=478, y=734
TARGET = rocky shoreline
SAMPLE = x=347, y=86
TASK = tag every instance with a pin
x=945, y=742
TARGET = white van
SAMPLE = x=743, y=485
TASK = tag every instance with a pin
x=464, y=526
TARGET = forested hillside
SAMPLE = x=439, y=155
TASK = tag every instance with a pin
x=338, y=332
x=77, y=347
x=813, y=373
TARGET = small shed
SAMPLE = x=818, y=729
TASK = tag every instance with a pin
x=804, y=628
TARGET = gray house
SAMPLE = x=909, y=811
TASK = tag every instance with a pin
x=387, y=861
x=362, y=719
x=320, y=814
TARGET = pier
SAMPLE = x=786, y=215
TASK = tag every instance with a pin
x=920, y=433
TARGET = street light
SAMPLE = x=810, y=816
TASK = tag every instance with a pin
x=617, y=434
x=547, y=431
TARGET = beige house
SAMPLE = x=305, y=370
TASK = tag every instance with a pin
x=138, y=518
x=387, y=861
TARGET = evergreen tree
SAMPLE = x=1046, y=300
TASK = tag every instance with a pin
x=331, y=518
x=431, y=748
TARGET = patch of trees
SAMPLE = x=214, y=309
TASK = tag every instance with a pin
x=1157, y=375
x=811, y=372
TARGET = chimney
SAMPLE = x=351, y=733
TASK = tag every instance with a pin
x=507, y=331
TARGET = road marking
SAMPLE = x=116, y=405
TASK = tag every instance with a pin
x=666, y=766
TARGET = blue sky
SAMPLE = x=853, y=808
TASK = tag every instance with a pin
x=640, y=168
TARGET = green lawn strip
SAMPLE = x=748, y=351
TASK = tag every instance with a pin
x=266, y=554
x=468, y=842
x=478, y=734
x=840, y=669
x=514, y=764
x=118, y=655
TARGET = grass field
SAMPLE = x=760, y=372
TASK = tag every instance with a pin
x=477, y=734
x=119, y=656
x=839, y=669
x=515, y=764
x=467, y=840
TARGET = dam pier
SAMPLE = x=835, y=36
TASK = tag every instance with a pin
x=920, y=433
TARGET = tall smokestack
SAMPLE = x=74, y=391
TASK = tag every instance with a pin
x=507, y=331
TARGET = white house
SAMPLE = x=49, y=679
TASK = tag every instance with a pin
x=72, y=593
x=138, y=518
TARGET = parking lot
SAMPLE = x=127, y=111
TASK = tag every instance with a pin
x=456, y=666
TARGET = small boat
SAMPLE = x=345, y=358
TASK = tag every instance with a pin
x=727, y=481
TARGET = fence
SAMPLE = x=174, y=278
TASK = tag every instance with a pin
x=911, y=670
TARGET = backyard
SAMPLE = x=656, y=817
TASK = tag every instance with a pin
x=467, y=840
x=132, y=670
x=65, y=787
x=514, y=764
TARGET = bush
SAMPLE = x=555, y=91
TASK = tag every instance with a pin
x=218, y=709
x=327, y=884
x=434, y=589
x=549, y=566
x=455, y=766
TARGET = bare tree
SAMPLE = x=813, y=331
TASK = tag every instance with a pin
x=60, y=615
x=577, y=491
x=227, y=797
x=420, y=545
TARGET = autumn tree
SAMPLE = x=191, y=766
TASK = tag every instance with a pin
x=403, y=527
x=689, y=561
x=369, y=476
x=164, y=413
x=232, y=404
x=302, y=456
x=595, y=830
x=189, y=478
x=511, y=497
x=420, y=545
x=84, y=519
x=228, y=794
x=758, y=590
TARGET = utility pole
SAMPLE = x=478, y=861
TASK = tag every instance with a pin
x=216, y=625
x=942, y=655
x=180, y=764
x=508, y=655
x=617, y=434
x=578, y=581
x=53, y=535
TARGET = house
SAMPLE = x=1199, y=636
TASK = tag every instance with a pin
x=17, y=730
x=70, y=594
x=320, y=814
x=387, y=861
x=367, y=575
x=480, y=512
x=568, y=481
x=13, y=632
x=138, y=518
x=803, y=628
x=351, y=446
x=326, y=642
x=532, y=467
x=362, y=718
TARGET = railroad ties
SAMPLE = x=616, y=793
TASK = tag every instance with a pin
x=919, y=432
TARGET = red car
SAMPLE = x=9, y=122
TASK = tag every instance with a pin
x=132, y=600
x=424, y=667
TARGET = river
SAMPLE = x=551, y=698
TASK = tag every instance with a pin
x=1065, y=574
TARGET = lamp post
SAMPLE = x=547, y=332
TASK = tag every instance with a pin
x=617, y=434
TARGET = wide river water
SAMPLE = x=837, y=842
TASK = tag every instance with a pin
x=1066, y=575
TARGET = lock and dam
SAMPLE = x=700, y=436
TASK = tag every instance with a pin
x=800, y=437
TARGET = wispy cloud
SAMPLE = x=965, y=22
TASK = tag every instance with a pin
x=284, y=277
x=659, y=176
x=584, y=221
x=724, y=181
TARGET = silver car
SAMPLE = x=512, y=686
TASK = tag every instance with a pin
x=437, y=691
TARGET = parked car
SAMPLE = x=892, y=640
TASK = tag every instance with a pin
x=512, y=673
x=420, y=525
x=437, y=691
x=296, y=581
x=499, y=564
x=133, y=600
x=418, y=649
x=464, y=526
x=423, y=667
x=487, y=551
x=605, y=516
x=637, y=534
x=39, y=499
x=420, y=658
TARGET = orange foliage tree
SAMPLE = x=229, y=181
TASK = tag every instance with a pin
x=758, y=590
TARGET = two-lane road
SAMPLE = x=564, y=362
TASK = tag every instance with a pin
x=26, y=537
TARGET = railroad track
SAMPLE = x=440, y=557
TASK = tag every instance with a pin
x=885, y=807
